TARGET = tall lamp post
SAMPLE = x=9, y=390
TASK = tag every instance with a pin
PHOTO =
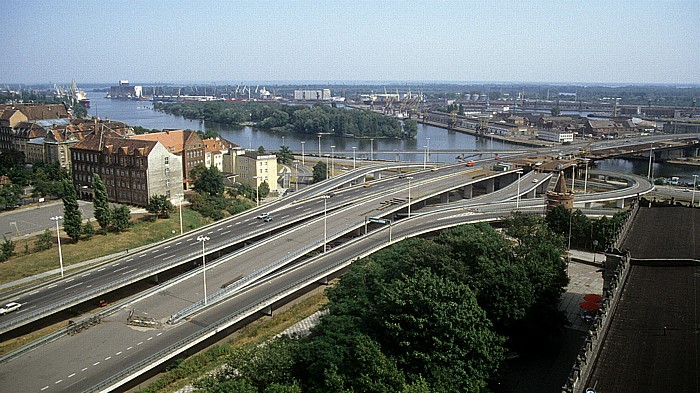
x=325, y=214
x=409, y=195
x=354, y=150
x=425, y=155
x=203, y=239
x=651, y=156
x=371, y=149
x=692, y=199
x=319, y=146
x=517, y=197
x=182, y=200
x=302, y=153
x=257, y=190
x=332, y=160
x=58, y=236
x=427, y=148
x=585, y=179
x=573, y=176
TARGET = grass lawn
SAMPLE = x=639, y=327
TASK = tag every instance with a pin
x=142, y=232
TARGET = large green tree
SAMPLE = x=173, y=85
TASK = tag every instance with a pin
x=210, y=182
x=120, y=218
x=72, y=218
x=100, y=202
x=320, y=171
x=285, y=156
x=159, y=205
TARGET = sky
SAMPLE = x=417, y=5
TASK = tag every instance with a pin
x=544, y=41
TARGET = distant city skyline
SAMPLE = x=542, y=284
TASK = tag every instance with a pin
x=564, y=42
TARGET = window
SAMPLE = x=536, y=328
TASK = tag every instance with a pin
x=165, y=160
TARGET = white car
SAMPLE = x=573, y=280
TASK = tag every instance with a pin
x=9, y=307
x=263, y=216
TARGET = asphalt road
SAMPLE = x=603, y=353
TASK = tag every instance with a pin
x=35, y=219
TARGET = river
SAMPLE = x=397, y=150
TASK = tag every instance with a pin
x=140, y=113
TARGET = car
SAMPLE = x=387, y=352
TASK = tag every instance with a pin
x=267, y=218
x=9, y=307
x=470, y=163
x=262, y=216
x=434, y=168
x=401, y=176
x=535, y=180
x=366, y=185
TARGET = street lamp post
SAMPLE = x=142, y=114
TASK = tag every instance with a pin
x=354, y=150
x=319, y=146
x=371, y=149
x=58, y=237
x=182, y=199
x=302, y=153
x=651, y=156
x=573, y=176
x=257, y=190
x=425, y=155
x=204, y=265
x=427, y=148
x=282, y=140
x=409, y=197
x=585, y=179
x=332, y=160
x=517, y=197
x=325, y=214
x=692, y=199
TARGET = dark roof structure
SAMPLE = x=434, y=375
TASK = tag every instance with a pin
x=653, y=341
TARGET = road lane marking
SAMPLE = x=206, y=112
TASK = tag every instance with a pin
x=89, y=286
x=95, y=364
x=72, y=375
x=218, y=230
x=32, y=293
x=45, y=387
x=159, y=334
x=166, y=247
x=142, y=255
x=120, y=269
x=118, y=353
x=107, y=358
x=238, y=223
x=71, y=279
x=155, y=251
x=159, y=255
x=53, y=286
x=99, y=270
x=285, y=216
x=75, y=285
x=130, y=271
x=178, y=243
x=59, y=381
x=150, y=338
x=85, y=275
x=130, y=259
x=116, y=264
x=84, y=369
x=229, y=226
x=209, y=233
x=129, y=349
x=139, y=343
x=225, y=232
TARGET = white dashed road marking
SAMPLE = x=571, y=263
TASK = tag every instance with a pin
x=107, y=358
x=95, y=364
x=118, y=353
x=71, y=376
x=45, y=387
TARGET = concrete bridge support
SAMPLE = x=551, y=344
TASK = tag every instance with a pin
x=468, y=191
x=445, y=197
x=531, y=194
x=490, y=185
x=620, y=203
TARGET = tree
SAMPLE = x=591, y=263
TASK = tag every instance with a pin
x=410, y=128
x=320, y=171
x=264, y=190
x=210, y=182
x=555, y=111
x=159, y=205
x=285, y=156
x=103, y=214
x=10, y=195
x=88, y=231
x=7, y=249
x=261, y=149
x=120, y=218
x=196, y=172
x=43, y=241
x=72, y=218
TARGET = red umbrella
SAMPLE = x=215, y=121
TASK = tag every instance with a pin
x=589, y=306
x=592, y=297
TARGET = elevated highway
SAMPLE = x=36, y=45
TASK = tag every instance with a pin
x=119, y=352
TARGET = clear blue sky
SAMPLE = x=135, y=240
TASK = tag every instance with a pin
x=567, y=41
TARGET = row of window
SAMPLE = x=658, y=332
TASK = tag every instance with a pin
x=110, y=160
x=109, y=171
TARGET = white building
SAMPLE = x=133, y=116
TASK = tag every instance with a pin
x=559, y=136
x=312, y=95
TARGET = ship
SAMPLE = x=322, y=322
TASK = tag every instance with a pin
x=79, y=95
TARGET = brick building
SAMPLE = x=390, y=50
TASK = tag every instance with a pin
x=184, y=143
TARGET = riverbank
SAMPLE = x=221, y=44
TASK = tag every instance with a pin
x=500, y=138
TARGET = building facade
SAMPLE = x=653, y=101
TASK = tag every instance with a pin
x=15, y=130
x=553, y=135
x=312, y=95
x=254, y=168
x=132, y=170
x=184, y=143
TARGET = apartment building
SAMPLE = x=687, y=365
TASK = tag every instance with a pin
x=254, y=168
x=185, y=143
x=133, y=170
